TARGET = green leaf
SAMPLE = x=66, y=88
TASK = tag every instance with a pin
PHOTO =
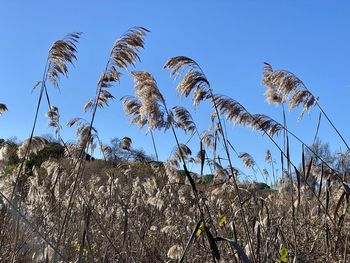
x=200, y=230
x=284, y=253
x=222, y=220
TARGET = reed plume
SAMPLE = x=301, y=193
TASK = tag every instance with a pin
x=126, y=143
x=62, y=53
x=247, y=159
x=132, y=107
x=183, y=119
x=85, y=133
x=54, y=119
x=124, y=53
x=265, y=124
x=72, y=151
x=3, y=108
x=207, y=138
x=233, y=110
x=149, y=105
x=34, y=145
x=268, y=157
x=193, y=80
x=181, y=153
x=283, y=86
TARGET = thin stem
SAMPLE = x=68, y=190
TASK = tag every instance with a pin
x=331, y=123
x=30, y=224
x=290, y=162
x=242, y=211
x=81, y=160
x=317, y=128
x=33, y=128
x=154, y=146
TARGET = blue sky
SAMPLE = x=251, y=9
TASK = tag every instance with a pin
x=229, y=39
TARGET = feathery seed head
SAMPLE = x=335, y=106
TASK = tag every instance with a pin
x=194, y=79
x=62, y=53
x=36, y=144
x=3, y=108
x=283, y=85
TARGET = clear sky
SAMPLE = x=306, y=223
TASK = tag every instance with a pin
x=230, y=39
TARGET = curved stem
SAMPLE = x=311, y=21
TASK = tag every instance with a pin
x=326, y=116
x=221, y=131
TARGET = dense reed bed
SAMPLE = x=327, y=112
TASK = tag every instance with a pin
x=59, y=204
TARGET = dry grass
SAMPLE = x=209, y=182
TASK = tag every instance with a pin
x=67, y=208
